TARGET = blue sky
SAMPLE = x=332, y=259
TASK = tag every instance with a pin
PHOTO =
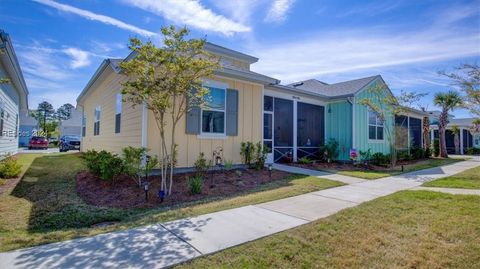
x=61, y=43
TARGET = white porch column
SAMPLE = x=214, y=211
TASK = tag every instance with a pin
x=432, y=137
x=461, y=141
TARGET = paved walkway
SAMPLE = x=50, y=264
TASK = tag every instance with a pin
x=449, y=190
x=310, y=172
x=167, y=244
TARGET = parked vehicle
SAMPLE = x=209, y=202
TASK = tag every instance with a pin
x=69, y=142
x=38, y=142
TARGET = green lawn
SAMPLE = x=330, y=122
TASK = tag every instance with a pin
x=368, y=174
x=44, y=206
x=409, y=229
x=469, y=179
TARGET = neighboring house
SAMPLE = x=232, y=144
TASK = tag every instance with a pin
x=292, y=120
x=28, y=128
x=469, y=135
x=13, y=96
x=72, y=126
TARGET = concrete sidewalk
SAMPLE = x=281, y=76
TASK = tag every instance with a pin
x=167, y=244
x=322, y=174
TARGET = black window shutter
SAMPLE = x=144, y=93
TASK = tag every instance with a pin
x=118, y=118
x=232, y=112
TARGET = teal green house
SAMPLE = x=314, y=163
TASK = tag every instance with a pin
x=359, y=114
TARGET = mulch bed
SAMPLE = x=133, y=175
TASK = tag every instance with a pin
x=126, y=194
x=350, y=167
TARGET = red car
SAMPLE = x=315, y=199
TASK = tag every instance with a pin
x=38, y=142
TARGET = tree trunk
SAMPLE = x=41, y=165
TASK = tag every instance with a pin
x=443, y=144
x=457, y=144
x=426, y=133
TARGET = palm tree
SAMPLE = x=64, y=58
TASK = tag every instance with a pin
x=447, y=101
x=456, y=139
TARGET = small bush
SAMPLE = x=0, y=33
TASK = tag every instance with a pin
x=473, y=151
x=247, y=151
x=403, y=155
x=104, y=164
x=228, y=165
x=436, y=147
x=329, y=152
x=304, y=160
x=9, y=167
x=135, y=163
x=417, y=153
x=428, y=152
x=260, y=156
x=195, y=184
x=238, y=173
x=201, y=164
x=380, y=159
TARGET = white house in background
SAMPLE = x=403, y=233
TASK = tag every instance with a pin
x=28, y=128
x=469, y=136
x=72, y=126
x=13, y=96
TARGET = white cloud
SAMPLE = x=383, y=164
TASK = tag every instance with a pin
x=278, y=10
x=241, y=11
x=191, y=13
x=96, y=17
x=80, y=58
x=349, y=51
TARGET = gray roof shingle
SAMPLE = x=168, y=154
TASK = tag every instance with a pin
x=333, y=90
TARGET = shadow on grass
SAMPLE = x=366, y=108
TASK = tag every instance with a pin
x=49, y=184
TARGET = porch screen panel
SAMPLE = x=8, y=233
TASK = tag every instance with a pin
x=310, y=129
x=415, y=133
x=401, y=132
x=467, y=140
x=449, y=139
x=283, y=129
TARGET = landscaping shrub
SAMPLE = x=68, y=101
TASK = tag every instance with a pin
x=304, y=160
x=228, y=165
x=417, y=153
x=428, y=152
x=473, y=151
x=201, y=165
x=365, y=156
x=436, y=147
x=9, y=167
x=403, y=155
x=247, y=151
x=195, y=184
x=135, y=164
x=260, y=156
x=329, y=151
x=104, y=164
x=380, y=159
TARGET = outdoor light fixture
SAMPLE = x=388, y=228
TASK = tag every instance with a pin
x=270, y=168
x=145, y=188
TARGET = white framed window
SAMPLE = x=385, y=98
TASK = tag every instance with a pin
x=213, y=113
x=118, y=113
x=96, y=123
x=375, y=126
